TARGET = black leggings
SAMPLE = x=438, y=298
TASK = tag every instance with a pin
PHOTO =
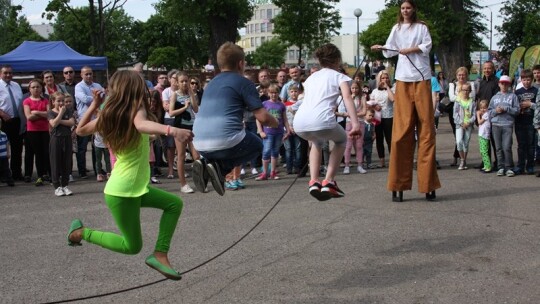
x=383, y=132
x=36, y=144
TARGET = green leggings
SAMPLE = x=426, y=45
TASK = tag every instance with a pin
x=484, y=152
x=126, y=212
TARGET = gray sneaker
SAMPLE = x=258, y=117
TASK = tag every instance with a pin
x=218, y=181
x=200, y=175
x=501, y=172
x=510, y=173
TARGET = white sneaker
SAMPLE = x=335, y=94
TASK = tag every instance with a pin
x=186, y=189
x=361, y=170
x=242, y=172
x=59, y=192
x=67, y=191
x=71, y=179
x=347, y=170
x=254, y=171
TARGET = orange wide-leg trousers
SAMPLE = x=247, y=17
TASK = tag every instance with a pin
x=413, y=107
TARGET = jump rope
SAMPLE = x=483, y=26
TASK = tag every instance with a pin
x=101, y=295
x=193, y=268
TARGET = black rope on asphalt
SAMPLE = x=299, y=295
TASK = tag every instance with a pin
x=191, y=269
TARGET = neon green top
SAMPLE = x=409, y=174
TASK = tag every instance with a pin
x=131, y=172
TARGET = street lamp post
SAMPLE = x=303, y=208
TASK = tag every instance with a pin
x=357, y=13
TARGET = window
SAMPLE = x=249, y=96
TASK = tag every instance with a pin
x=257, y=29
x=263, y=27
x=262, y=14
x=257, y=41
x=270, y=27
x=252, y=42
x=247, y=29
x=291, y=54
x=263, y=39
x=269, y=13
x=251, y=28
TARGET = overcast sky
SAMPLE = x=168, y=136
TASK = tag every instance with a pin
x=142, y=9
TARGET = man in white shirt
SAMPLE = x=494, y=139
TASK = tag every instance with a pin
x=13, y=119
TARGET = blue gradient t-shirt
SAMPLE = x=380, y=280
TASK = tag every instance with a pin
x=275, y=109
x=219, y=124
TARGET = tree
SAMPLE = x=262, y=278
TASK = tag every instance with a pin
x=306, y=23
x=218, y=20
x=189, y=40
x=98, y=17
x=164, y=56
x=15, y=29
x=76, y=33
x=270, y=53
x=453, y=27
x=521, y=21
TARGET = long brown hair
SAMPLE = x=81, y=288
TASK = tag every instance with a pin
x=127, y=94
x=414, y=16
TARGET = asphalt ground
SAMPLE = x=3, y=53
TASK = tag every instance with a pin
x=477, y=243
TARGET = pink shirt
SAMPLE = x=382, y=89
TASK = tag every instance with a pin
x=42, y=124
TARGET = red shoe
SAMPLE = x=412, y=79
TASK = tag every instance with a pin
x=261, y=177
x=274, y=175
x=331, y=189
x=315, y=191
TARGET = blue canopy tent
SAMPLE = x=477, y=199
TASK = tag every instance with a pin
x=32, y=56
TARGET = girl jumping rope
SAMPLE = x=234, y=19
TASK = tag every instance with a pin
x=316, y=121
x=125, y=126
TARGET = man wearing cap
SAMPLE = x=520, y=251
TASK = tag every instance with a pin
x=487, y=88
x=503, y=108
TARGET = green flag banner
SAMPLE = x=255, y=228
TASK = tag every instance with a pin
x=515, y=59
x=532, y=57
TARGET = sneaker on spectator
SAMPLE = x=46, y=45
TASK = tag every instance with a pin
x=500, y=172
x=510, y=173
x=59, y=192
x=261, y=177
x=231, y=186
x=27, y=179
x=240, y=183
x=67, y=191
x=99, y=178
x=346, y=170
x=361, y=170
x=273, y=175
x=39, y=182
x=331, y=189
x=242, y=172
x=154, y=180
x=186, y=189
x=254, y=171
x=200, y=175
x=71, y=179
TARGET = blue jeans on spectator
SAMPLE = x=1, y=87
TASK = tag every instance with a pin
x=271, y=145
x=244, y=151
x=526, y=139
x=292, y=152
x=502, y=135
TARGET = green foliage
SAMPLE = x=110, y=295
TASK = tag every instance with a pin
x=73, y=27
x=189, y=40
x=210, y=22
x=164, y=56
x=521, y=21
x=306, y=23
x=270, y=54
x=15, y=29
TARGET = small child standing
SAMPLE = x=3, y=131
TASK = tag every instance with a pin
x=102, y=153
x=273, y=137
x=60, y=146
x=484, y=132
x=369, y=136
x=464, y=109
x=525, y=134
x=359, y=100
x=292, y=143
x=5, y=153
x=503, y=108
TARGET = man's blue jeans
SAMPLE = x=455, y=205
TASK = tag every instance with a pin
x=227, y=159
